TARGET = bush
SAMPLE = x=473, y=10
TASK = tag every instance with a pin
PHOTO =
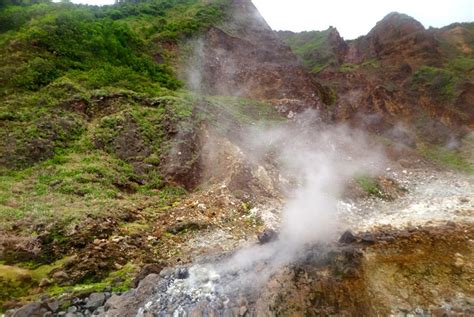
x=37, y=73
x=440, y=82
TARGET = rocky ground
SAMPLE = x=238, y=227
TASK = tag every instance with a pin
x=408, y=251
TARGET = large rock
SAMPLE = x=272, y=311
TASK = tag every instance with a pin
x=95, y=300
x=129, y=303
x=29, y=310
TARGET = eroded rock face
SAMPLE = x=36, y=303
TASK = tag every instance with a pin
x=243, y=57
x=399, y=74
x=396, y=36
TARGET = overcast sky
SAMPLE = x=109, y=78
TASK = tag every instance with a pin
x=356, y=17
x=352, y=17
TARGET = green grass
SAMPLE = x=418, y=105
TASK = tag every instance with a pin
x=124, y=276
x=371, y=64
x=313, y=48
x=462, y=64
x=17, y=282
x=370, y=186
x=67, y=189
x=75, y=82
x=449, y=158
x=440, y=82
x=348, y=67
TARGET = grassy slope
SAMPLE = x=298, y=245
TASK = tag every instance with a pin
x=313, y=48
x=57, y=55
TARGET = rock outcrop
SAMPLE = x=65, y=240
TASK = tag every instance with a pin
x=244, y=57
x=400, y=80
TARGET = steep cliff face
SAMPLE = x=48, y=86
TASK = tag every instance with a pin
x=398, y=37
x=399, y=74
x=244, y=57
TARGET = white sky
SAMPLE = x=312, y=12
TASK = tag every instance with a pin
x=352, y=17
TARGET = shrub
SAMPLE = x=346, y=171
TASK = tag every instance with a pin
x=440, y=82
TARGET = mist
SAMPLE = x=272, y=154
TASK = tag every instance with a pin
x=321, y=160
x=311, y=162
x=314, y=163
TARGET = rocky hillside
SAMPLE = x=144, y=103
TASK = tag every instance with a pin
x=408, y=82
x=141, y=138
x=242, y=56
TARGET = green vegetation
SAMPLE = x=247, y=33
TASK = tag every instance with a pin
x=447, y=157
x=313, y=48
x=91, y=120
x=370, y=186
x=119, y=281
x=224, y=111
x=98, y=46
x=18, y=282
x=462, y=64
x=440, y=82
x=370, y=64
x=348, y=67
x=90, y=112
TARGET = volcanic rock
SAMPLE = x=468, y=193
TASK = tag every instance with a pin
x=267, y=235
x=347, y=237
x=95, y=300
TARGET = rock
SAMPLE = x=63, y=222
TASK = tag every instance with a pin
x=53, y=305
x=72, y=309
x=404, y=163
x=147, y=270
x=267, y=235
x=77, y=301
x=182, y=273
x=166, y=272
x=439, y=312
x=95, y=300
x=128, y=303
x=71, y=315
x=30, y=310
x=459, y=261
x=44, y=282
x=60, y=275
x=48, y=314
x=113, y=301
x=451, y=224
x=61, y=314
x=347, y=237
x=99, y=311
x=198, y=310
x=212, y=312
x=368, y=238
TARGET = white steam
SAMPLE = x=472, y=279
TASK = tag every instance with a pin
x=320, y=160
